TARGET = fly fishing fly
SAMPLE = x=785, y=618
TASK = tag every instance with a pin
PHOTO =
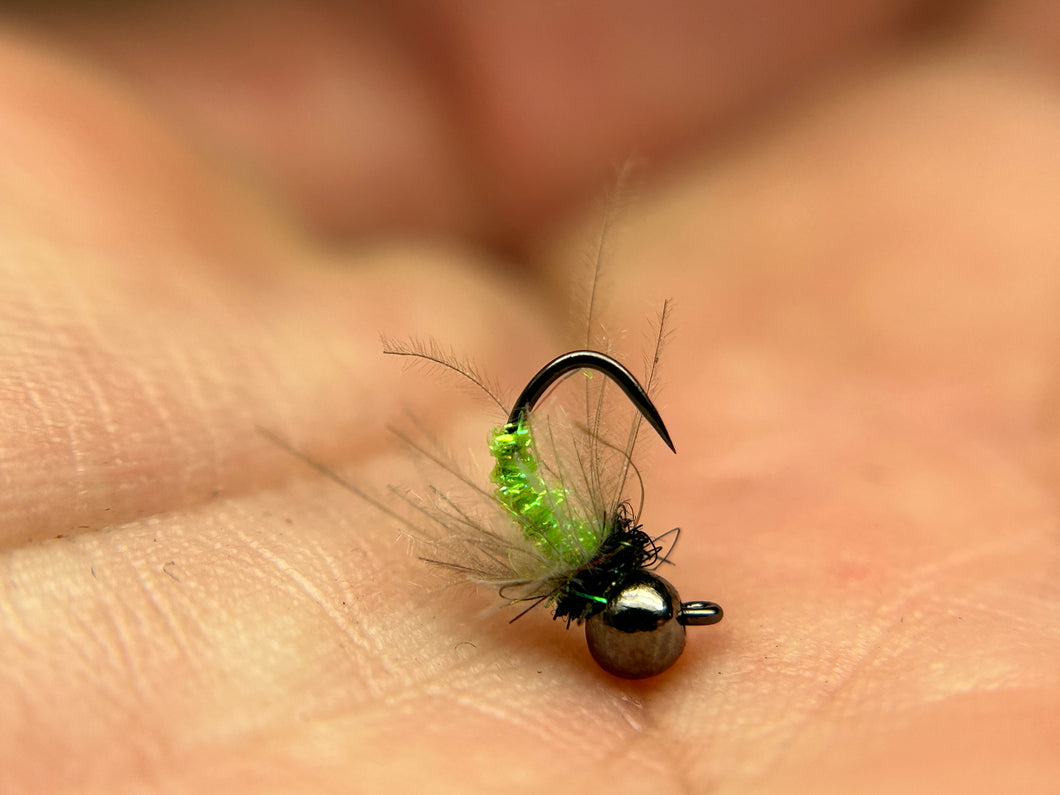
x=558, y=529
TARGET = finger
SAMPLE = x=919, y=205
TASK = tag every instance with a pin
x=483, y=121
x=156, y=312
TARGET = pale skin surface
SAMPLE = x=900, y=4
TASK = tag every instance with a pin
x=862, y=387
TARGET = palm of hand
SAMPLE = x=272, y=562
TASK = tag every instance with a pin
x=866, y=421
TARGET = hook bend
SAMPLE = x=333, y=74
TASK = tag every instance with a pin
x=589, y=360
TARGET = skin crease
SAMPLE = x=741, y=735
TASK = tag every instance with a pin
x=861, y=385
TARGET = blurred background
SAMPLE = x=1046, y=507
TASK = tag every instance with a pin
x=490, y=120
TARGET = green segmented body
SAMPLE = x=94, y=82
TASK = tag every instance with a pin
x=540, y=509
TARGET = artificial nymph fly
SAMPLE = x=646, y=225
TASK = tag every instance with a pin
x=564, y=535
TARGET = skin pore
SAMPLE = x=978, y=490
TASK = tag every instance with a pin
x=862, y=387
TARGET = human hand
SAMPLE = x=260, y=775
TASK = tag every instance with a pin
x=861, y=385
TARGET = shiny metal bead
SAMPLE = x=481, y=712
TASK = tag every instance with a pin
x=641, y=632
x=638, y=635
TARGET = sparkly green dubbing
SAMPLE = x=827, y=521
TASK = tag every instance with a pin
x=540, y=508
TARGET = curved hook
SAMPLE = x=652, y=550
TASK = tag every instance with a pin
x=589, y=360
